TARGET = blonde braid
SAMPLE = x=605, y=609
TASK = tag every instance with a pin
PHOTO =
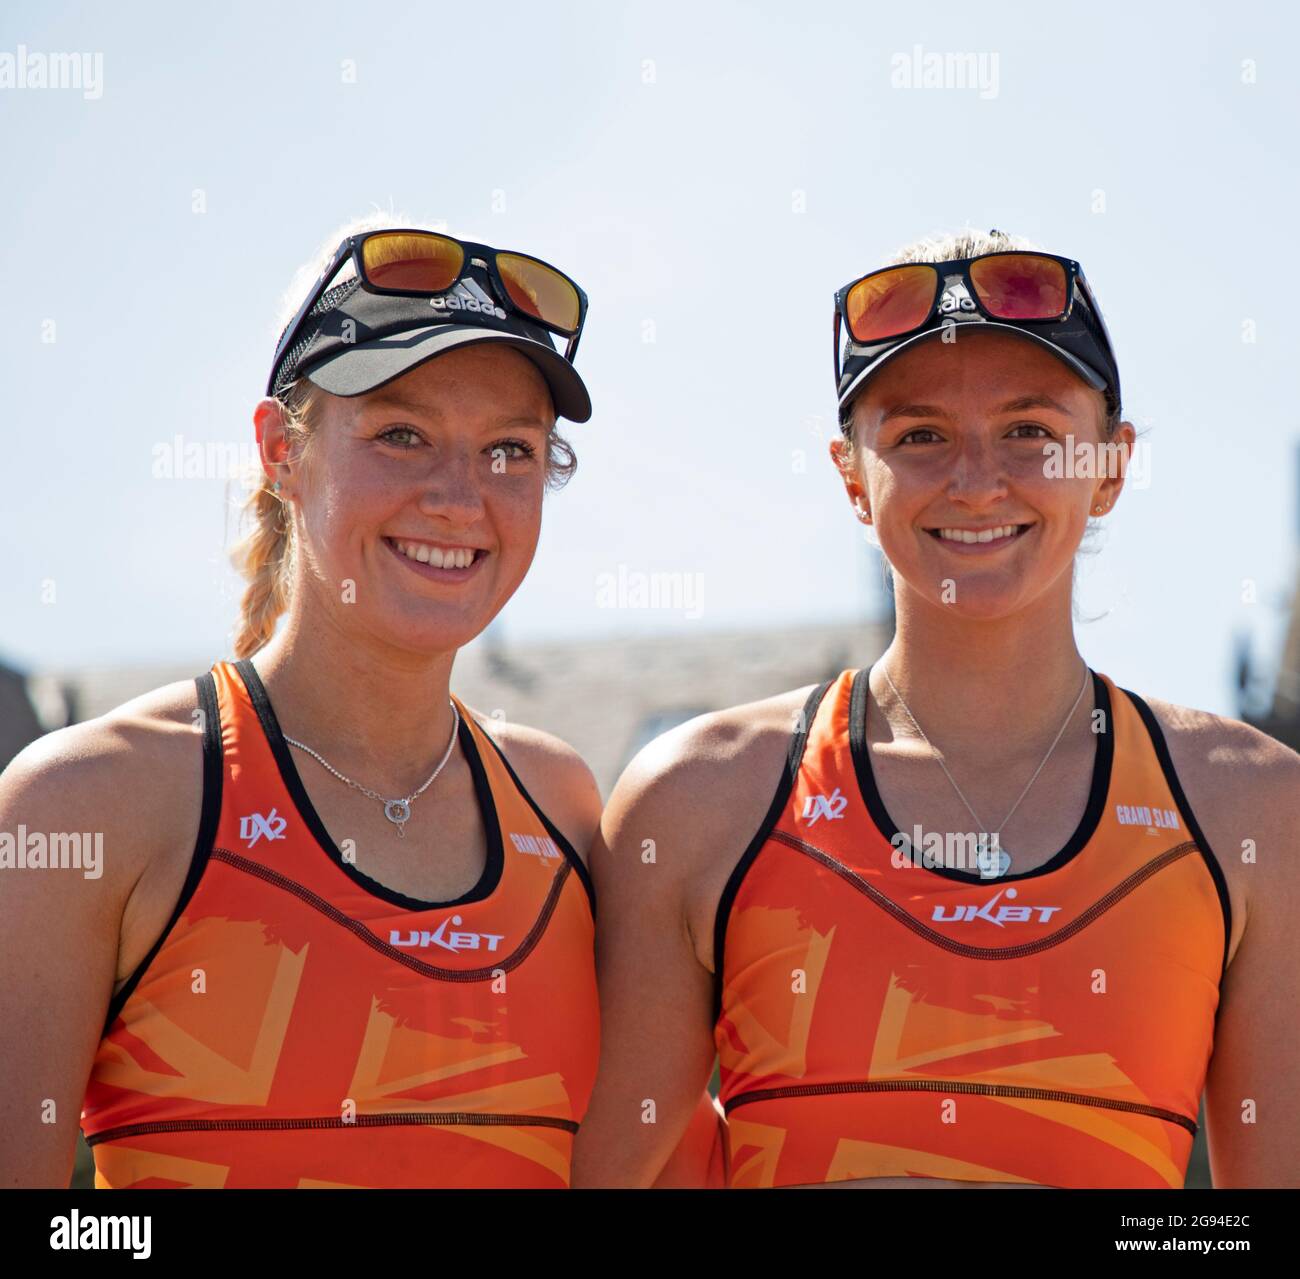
x=265, y=556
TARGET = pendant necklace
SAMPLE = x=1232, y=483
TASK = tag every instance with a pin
x=398, y=811
x=991, y=858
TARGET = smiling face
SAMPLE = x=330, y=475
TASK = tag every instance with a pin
x=953, y=445
x=427, y=494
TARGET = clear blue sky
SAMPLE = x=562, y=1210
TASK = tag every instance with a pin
x=675, y=158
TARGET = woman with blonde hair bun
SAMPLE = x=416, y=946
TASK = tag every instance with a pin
x=344, y=933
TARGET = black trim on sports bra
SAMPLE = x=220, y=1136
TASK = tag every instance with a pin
x=552, y=829
x=784, y=785
x=492, y=866
x=1101, y=770
x=209, y=817
x=1193, y=827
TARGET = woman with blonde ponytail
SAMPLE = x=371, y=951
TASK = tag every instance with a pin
x=263, y=556
x=344, y=930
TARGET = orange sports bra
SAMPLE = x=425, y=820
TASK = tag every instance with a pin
x=878, y=1016
x=298, y=1024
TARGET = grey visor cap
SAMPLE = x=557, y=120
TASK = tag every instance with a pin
x=369, y=365
x=1085, y=371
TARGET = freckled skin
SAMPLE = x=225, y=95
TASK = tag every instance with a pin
x=446, y=467
x=972, y=464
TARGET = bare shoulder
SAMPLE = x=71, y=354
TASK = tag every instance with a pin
x=554, y=774
x=740, y=748
x=1243, y=787
x=133, y=773
x=700, y=793
x=1230, y=764
x=150, y=731
x=133, y=780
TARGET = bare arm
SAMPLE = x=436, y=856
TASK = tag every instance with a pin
x=63, y=928
x=563, y=787
x=656, y=1043
x=1252, y=1104
x=674, y=828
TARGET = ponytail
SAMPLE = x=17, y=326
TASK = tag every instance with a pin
x=265, y=556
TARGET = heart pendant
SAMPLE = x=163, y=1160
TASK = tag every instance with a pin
x=991, y=859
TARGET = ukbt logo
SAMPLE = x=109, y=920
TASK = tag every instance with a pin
x=448, y=941
x=1001, y=916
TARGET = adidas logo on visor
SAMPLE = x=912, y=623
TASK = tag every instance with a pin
x=467, y=296
x=957, y=302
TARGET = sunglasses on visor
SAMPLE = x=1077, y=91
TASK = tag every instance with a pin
x=412, y=263
x=1018, y=286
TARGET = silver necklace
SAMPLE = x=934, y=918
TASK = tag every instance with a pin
x=398, y=811
x=992, y=859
